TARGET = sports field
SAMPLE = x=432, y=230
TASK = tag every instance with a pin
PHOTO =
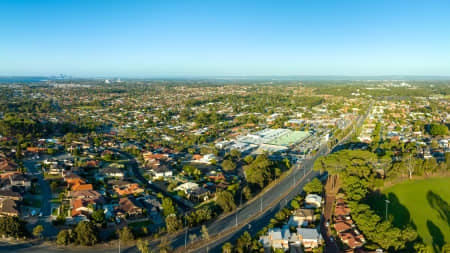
x=422, y=203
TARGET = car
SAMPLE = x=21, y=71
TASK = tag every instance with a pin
x=327, y=224
x=331, y=238
x=40, y=214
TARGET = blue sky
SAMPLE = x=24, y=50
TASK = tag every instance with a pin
x=221, y=38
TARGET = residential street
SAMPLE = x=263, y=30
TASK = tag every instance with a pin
x=46, y=195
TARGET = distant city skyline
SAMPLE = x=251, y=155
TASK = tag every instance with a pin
x=145, y=39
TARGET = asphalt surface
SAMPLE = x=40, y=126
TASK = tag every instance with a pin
x=46, y=195
x=292, y=184
x=266, y=199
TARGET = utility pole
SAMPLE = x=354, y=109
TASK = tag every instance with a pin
x=186, y=233
x=387, y=204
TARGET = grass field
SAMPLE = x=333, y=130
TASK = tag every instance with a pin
x=424, y=204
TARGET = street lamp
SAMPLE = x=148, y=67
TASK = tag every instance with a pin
x=387, y=203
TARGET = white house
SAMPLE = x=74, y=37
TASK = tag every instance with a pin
x=309, y=237
x=162, y=171
x=207, y=159
x=187, y=187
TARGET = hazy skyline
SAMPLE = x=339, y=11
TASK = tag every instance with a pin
x=224, y=38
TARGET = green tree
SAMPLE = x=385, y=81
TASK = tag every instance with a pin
x=37, y=231
x=228, y=165
x=295, y=204
x=226, y=201
x=51, y=151
x=12, y=226
x=142, y=246
x=437, y=129
x=205, y=234
x=65, y=237
x=247, y=192
x=173, y=223
x=54, y=186
x=227, y=248
x=248, y=159
x=422, y=248
x=243, y=243
x=125, y=235
x=18, y=151
x=98, y=216
x=315, y=186
x=168, y=207
x=86, y=233
x=164, y=246
x=235, y=153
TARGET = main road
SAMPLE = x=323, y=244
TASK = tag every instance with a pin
x=259, y=212
x=251, y=217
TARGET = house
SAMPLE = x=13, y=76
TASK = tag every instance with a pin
x=50, y=162
x=92, y=163
x=187, y=187
x=352, y=240
x=36, y=149
x=73, y=179
x=128, y=189
x=86, y=194
x=20, y=180
x=112, y=172
x=9, y=207
x=341, y=209
x=8, y=166
x=56, y=169
x=80, y=187
x=198, y=194
x=162, y=171
x=83, y=207
x=277, y=238
x=342, y=226
x=313, y=200
x=10, y=194
x=214, y=176
x=128, y=207
x=309, y=237
x=301, y=217
x=207, y=159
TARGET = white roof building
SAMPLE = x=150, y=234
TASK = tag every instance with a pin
x=313, y=200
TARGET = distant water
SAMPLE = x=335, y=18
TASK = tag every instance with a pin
x=23, y=79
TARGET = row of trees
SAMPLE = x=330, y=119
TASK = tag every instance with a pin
x=85, y=233
x=358, y=173
x=12, y=227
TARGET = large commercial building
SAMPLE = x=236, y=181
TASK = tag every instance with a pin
x=267, y=140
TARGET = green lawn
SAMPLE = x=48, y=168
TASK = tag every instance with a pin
x=140, y=224
x=33, y=202
x=424, y=204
